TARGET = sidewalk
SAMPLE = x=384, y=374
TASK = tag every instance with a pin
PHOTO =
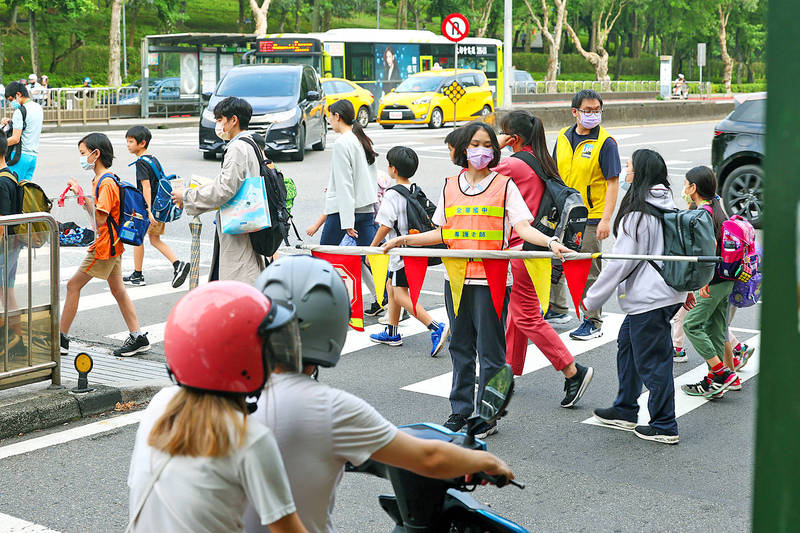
x=123, y=124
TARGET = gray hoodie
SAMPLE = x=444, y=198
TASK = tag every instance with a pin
x=644, y=289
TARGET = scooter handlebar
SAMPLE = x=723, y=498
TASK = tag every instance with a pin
x=499, y=481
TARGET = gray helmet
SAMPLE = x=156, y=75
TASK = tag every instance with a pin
x=320, y=298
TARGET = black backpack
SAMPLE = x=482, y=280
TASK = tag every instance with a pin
x=267, y=241
x=419, y=212
x=15, y=150
x=561, y=209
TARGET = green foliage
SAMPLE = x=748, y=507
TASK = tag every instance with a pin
x=740, y=87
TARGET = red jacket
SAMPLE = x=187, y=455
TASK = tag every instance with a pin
x=528, y=182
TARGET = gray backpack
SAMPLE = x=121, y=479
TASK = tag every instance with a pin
x=687, y=232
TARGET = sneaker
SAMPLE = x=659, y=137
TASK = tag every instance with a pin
x=736, y=385
x=558, y=319
x=679, y=356
x=612, y=417
x=722, y=382
x=374, y=310
x=485, y=430
x=136, y=279
x=743, y=355
x=700, y=388
x=575, y=386
x=16, y=348
x=384, y=338
x=64, y=344
x=586, y=331
x=438, y=338
x=655, y=435
x=455, y=422
x=179, y=274
x=132, y=346
x=385, y=318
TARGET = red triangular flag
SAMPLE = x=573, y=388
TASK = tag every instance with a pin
x=497, y=275
x=577, y=272
x=415, y=275
x=349, y=267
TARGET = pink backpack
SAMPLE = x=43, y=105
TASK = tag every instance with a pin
x=738, y=249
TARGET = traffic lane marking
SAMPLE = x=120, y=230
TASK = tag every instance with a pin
x=11, y=524
x=683, y=402
x=698, y=149
x=648, y=143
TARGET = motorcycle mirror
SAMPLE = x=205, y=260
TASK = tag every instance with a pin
x=496, y=395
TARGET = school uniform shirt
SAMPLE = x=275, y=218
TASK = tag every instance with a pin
x=106, y=201
x=353, y=183
x=529, y=183
x=207, y=494
x=394, y=211
x=516, y=212
x=318, y=429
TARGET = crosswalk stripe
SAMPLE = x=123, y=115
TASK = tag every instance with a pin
x=12, y=524
x=104, y=299
x=534, y=360
x=683, y=402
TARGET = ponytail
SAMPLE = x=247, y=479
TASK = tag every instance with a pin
x=706, y=182
x=347, y=114
x=530, y=130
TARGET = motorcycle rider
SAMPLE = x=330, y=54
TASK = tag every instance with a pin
x=319, y=428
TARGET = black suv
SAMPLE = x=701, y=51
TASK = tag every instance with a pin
x=288, y=108
x=737, y=155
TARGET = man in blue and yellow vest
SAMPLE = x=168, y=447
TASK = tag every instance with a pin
x=588, y=160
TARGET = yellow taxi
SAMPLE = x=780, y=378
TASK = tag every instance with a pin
x=342, y=89
x=421, y=99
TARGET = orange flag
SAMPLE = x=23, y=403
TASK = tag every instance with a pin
x=496, y=275
x=415, y=274
x=577, y=272
x=349, y=267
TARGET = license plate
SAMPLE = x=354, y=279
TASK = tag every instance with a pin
x=395, y=115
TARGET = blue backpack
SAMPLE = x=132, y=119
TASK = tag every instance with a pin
x=163, y=208
x=133, y=221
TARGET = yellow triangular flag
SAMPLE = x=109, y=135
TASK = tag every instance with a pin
x=379, y=264
x=456, y=271
x=539, y=270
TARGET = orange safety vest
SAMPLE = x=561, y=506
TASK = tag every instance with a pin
x=475, y=221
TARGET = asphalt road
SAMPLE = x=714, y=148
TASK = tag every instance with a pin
x=579, y=477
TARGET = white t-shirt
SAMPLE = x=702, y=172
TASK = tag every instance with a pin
x=516, y=212
x=318, y=429
x=393, y=210
x=207, y=494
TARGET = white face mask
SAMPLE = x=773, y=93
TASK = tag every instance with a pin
x=221, y=133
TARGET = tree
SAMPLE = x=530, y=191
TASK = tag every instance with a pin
x=419, y=8
x=402, y=15
x=553, y=37
x=114, y=48
x=603, y=20
x=34, y=42
x=260, y=16
x=481, y=11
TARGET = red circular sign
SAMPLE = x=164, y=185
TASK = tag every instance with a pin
x=455, y=27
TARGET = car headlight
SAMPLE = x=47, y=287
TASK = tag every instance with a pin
x=281, y=116
x=208, y=115
x=422, y=101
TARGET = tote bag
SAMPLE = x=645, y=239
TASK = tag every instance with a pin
x=248, y=210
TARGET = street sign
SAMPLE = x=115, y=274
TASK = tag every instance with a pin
x=454, y=91
x=701, y=54
x=455, y=27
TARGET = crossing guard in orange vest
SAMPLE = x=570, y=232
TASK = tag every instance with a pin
x=476, y=211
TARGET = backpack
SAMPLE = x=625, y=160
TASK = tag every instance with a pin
x=561, y=210
x=267, y=241
x=32, y=199
x=737, y=249
x=689, y=232
x=15, y=150
x=747, y=287
x=163, y=207
x=133, y=221
x=419, y=212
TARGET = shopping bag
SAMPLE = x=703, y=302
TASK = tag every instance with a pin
x=76, y=217
x=248, y=210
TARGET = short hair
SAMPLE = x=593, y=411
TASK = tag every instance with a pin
x=139, y=134
x=465, y=137
x=452, y=137
x=234, y=107
x=3, y=145
x=16, y=87
x=99, y=141
x=586, y=94
x=404, y=159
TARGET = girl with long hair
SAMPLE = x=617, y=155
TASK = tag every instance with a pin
x=524, y=134
x=644, y=344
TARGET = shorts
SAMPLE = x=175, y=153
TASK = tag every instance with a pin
x=101, y=268
x=13, y=258
x=156, y=229
x=398, y=278
x=24, y=167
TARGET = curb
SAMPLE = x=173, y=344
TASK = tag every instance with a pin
x=122, y=125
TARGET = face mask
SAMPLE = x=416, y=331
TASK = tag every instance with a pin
x=222, y=134
x=84, y=162
x=15, y=104
x=508, y=150
x=686, y=197
x=624, y=186
x=590, y=121
x=480, y=156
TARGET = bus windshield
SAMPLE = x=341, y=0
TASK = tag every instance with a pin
x=245, y=83
x=420, y=84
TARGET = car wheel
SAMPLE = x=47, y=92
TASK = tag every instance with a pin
x=210, y=155
x=437, y=119
x=387, y=126
x=320, y=146
x=743, y=193
x=363, y=116
x=486, y=111
x=301, y=145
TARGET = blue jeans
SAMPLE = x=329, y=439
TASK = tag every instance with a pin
x=24, y=167
x=332, y=232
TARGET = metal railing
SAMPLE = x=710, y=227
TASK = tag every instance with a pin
x=29, y=333
x=632, y=86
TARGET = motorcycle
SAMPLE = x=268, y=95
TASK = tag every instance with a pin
x=426, y=505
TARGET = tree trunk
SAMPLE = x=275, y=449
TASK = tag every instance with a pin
x=242, y=11
x=326, y=19
x=260, y=16
x=315, y=16
x=34, y=43
x=601, y=66
x=636, y=38
x=114, y=49
x=593, y=36
x=13, y=18
x=402, y=15
x=620, y=50
x=727, y=60
x=298, y=7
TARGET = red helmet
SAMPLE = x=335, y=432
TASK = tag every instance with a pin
x=215, y=337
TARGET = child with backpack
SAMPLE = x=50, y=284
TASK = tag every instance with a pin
x=397, y=216
x=148, y=174
x=705, y=324
x=104, y=258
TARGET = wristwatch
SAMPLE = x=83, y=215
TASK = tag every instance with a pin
x=550, y=241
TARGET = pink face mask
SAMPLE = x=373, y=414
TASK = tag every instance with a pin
x=480, y=156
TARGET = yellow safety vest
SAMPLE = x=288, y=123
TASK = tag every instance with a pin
x=580, y=169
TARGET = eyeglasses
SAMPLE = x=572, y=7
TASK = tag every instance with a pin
x=590, y=112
